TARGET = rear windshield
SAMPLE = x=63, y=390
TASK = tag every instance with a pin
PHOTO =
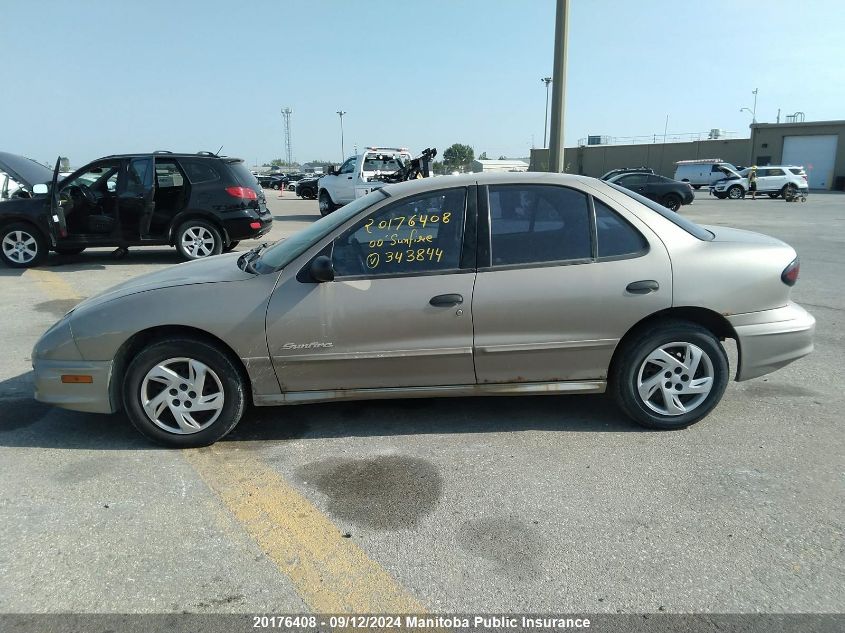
x=380, y=162
x=244, y=176
x=675, y=218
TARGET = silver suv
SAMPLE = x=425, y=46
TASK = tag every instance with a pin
x=482, y=284
x=773, y=180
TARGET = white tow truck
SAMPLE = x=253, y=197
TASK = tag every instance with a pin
x=372, y=169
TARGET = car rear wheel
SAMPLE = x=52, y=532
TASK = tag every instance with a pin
x=672, y=201
x=196, y=239
x=183, y=393
x=670, y=377
x=326, y=203
x=774, y=195
x=291, y=187
x=735, y=192
x=696, y=187
x=62, y=250
x=22, y=245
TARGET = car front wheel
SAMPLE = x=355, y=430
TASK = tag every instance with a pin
x=672, y=201
x=670, y=377
x=22, y=245
x=326, y=203
x=196, y=239
x=735, y=192
x=183, y=393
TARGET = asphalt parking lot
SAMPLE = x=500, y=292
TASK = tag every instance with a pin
x=554, y=504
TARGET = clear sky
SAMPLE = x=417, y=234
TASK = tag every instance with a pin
x=94, y=77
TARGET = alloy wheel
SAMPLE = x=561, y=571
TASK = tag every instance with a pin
x=675, y=378
x=197, y=241
x=182, y=395
x=20, y=247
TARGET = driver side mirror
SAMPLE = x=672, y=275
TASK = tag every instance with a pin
x=322, y=269
x=39, y=189
x=333, y=170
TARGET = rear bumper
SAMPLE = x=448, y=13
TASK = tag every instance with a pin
x=93, y=397
x=771, y=339
x=241, y=229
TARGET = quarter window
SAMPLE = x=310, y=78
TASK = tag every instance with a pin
x=614, y=235
x=199, y=170
x=419, y=235
x=537, y=223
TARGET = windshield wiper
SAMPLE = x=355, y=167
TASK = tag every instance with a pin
x=245, y=261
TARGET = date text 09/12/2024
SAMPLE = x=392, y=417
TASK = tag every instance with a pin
x=421, y=622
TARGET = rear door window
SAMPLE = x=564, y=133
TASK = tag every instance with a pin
x=615, y=237
x=536, y=224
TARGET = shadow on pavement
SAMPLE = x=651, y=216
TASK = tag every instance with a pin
x=311, y=217
x=25, y=422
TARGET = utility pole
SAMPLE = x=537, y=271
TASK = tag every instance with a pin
x=340, y=113
x=559, y=88
x=547, y=81
x=754, y=110
x=286, y=112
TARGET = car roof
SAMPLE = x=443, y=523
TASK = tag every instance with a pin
x=166, y=154
x=422, y=185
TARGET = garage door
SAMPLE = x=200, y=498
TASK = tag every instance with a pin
x=817, y=154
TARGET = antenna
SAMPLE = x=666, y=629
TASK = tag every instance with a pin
x=286, y=112
x=219, y=150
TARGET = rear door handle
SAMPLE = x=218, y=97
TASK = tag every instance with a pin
x=642, y=287
x=445, y=301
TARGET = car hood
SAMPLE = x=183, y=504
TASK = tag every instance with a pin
x=222, y=268
x=726, y=234
x=25, y=170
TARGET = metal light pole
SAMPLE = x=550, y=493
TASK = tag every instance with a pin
x=547, y=81
x=340, y=113
x=752, y=112
x=558, y=88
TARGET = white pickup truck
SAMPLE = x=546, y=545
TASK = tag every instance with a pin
x=359, y=175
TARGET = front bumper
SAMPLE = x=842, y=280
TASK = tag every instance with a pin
x=771, y=339
x=93, y=397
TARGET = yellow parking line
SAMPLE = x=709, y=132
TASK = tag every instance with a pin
x=52, y=284
x=331, y=573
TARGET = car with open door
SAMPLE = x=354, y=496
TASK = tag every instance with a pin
x=203, y=204
x=482, y=284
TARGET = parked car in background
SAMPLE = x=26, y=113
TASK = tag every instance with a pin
x=307, y=187
x=773, y=180
x=670, y=193
x=703, y=172
x=626, y=170
x=398, y=295
x=202, y=204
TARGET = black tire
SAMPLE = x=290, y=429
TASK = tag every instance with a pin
x=211, y=242
x=774, y=195
x=232, y=384
x=291, y=187
x=630, y=360
x=326, y=203
x=696, y=187
x=276, y=186
x=61, y=250
x=230, y=246
x=720, y=196
x=22, y=245
x=672, y=201
x=735, y=192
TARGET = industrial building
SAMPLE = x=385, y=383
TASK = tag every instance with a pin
x=818, y=146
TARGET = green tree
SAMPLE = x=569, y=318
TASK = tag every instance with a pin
x=458, y=157
x=503, y=157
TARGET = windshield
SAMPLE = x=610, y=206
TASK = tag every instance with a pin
x=687, y=225
x=284, y=252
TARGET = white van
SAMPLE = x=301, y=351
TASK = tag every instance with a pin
x=702, y=172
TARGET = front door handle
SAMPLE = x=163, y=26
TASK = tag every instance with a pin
x=642, y=287
x=445, y=301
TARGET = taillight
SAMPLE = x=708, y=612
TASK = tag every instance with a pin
x=790, y=274
x=244, y=193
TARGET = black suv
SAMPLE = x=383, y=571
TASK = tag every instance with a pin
x=202, y=204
